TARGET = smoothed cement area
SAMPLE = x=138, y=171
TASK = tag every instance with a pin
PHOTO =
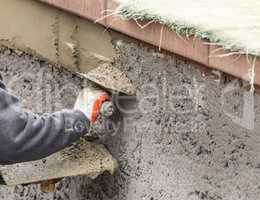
x=183, y=136
x=52, y=34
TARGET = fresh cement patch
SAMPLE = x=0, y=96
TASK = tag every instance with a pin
x=187, y=144
x=65, y=39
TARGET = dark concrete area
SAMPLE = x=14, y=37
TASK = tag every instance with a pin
x=183, y=137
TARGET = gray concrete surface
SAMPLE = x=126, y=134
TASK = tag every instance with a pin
x=181, y=138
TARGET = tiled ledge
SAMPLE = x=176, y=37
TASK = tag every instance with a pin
x=161, y=36
x=90, y=9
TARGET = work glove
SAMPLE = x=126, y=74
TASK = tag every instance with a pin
x=96, y=104
x=93, y=101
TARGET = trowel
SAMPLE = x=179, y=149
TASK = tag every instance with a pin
x=83, y=158
x=111, y=79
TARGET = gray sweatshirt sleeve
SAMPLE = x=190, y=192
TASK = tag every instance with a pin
x=26, y=136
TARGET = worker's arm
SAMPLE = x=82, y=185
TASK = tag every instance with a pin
x=26, y=136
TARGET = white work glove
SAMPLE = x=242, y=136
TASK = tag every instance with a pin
x=90, y=101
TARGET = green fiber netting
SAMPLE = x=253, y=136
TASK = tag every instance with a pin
x=233, y=24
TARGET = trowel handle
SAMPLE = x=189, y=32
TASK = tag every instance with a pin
x=93, y=101
x=49, y=186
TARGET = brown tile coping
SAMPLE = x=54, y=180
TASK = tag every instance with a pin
x=236, y=65
x=90, y=9
x=161, y=36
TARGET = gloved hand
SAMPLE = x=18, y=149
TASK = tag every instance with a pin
x=90, y=101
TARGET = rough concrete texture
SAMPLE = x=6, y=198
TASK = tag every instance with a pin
x=61, y=38
x=82, y=158
x=184, y=146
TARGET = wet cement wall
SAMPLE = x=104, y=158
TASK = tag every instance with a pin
x=190, y=133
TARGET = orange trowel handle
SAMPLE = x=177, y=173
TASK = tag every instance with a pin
x=97, y=105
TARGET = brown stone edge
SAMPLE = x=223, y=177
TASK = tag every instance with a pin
x=161, y=36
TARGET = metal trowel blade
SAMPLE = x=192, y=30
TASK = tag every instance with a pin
x=111, y=79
